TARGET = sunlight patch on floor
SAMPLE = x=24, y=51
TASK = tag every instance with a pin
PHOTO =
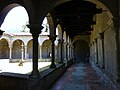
x=5, y=66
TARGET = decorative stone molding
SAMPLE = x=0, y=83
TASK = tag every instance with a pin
x=52, y=37
x=95, y=40
x=1, y=33
x=61, y=41
x=101, y=35
x=35, y=28
x=110, y=22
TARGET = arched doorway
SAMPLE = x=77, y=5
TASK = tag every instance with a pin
x=46, y=49
x=17, y=49
x=30, y=49
x=81, y=50
x=4, y=49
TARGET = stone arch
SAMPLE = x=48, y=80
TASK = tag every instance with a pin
x=59, y=31
x=84, y=38
x=46, y=49
x=10, y=22
x=104, y=5
x=9, y=5
x=51, y=24
x=64, y=36
x=68, y=38
x=81, y=50
x=47, y=6
x=30, y=49
x=45, y=24
x=4, y=49
x=17, y=49
x=50, y=6
x=7, y=39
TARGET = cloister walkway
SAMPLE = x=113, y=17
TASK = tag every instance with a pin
x=81, y=76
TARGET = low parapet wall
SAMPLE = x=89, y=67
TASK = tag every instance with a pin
x=10, y=81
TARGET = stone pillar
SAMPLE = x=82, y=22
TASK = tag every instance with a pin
x=116, y=26
x=25, y=52
x=22, y=51
x=40, y=52
x=68, y=51
x=56, y=52
x=61, y=44
x=72, y=52
x=35, y=30
x=10, y=54
x=52, y=38
x=102, y=39
x=65, y=52
x=96, y=44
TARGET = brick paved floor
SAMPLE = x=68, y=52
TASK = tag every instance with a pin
x=80, y=77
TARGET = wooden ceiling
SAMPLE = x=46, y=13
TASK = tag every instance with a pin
x=77, y=16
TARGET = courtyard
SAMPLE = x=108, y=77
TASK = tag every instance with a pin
x=5, y=66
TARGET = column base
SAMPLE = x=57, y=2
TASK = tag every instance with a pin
x=10, y=60
x=102, y=67
x=53, y=65
x=34, y=74
x=60, y=62
x=96, y=62
x=118, y=80
x=20, y=63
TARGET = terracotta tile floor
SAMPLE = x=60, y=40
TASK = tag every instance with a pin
x=80, y=77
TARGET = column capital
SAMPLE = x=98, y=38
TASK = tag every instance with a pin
x=101, y=35
x=70, y=44
x=10, y=46
x=52, y=37
x=1, y=33
x=95, y=40
x=35, y=28
x=25, y=46
x=61, y=41
x=116, y=22
x=66, y=43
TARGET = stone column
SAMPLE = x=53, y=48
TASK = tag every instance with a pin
x=72, y=52
x=68, y=51
x=52, y=38
x=65, y=51
x=40, y=52
x=61, y=56
x=22, y=51
x=96, y=44
x=102, y=39
x=116, y=26
x=25, y=52
x=10, y=54
x=35, y=30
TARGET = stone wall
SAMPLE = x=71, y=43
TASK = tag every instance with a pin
x=104, y=25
